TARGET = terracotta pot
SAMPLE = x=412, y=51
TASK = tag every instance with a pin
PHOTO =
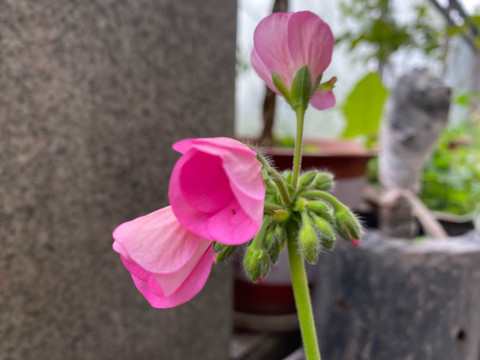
x=345, y=159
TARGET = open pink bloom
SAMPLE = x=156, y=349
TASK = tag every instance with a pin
x=169, y=264
x=216, y=189
x=284, y=42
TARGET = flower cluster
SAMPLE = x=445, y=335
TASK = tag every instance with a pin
x=310, y=213
x=217, y=194
x=224, y=194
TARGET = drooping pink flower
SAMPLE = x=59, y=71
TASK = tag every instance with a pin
x=284, y=42
x=169, y=264
x=216, y=189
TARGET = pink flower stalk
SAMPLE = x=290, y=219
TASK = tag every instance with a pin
x=169, y=264
x=285, y=42
x=216, y=189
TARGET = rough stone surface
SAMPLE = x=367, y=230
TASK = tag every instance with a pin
x=391, y=299
x=93, y=94
x=418, y=112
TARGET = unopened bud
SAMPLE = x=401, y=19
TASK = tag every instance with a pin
x=323, y=181
x=268, y=239
x=299, y=204
x=308, y=242
x=274, y=251
x=256, y=263
x=317, y=206
x=282, y=215
x=321, y=209
x=223, y=251
x=347, y=224
x=324, y=231
x=271, y=189
x=287, y=175
x=279, y=232
x=306, y=179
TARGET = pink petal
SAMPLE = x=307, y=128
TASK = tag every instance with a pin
x=171, y=282
x=188, y=289
x=247, y=185
x=271, y=46
x=241, y=167
x=212, y=145
x=199, y=199
x=157, y=242
x=263, y=71
x=231, y=226
x=310, y=42
x=203, y=182
x=183, y=204
x=322, y=100
x=167, y=284
x=355, y=242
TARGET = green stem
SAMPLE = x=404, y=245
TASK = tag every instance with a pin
x=297, y=265
x=302, y=298
x=278, y=180
x=297, y=160
x=271, y=208
x=318, y=194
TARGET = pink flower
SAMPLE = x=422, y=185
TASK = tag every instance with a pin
x=285, y=42
x=216, y=189
x=169, y=264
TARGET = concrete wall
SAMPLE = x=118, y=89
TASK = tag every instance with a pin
x=92, y=95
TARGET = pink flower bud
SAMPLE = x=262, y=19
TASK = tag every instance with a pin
x=216, y=189
x=284, y=42
x=169, y=264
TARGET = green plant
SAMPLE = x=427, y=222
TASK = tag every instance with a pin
x=450, y=180
x=384, y=34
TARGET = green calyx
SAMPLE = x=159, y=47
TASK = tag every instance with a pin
x=308, y=242
x=223, y=251
x=302, y=88
x=316, y=214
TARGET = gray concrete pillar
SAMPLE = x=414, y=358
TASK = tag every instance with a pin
x=92, y=95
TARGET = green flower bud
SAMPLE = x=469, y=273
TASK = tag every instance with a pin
x=274, y=241
x=308, y=241
x=287, y=175
x=269, y=239
x=348, y=227
x=299, y=204
x=324, y=231
x=282, y=215
x=306, y=179
x=271, y=189
x=323, y=181
x=317, y=206
x=274, y=251
x=223, y=251
x=279, y=233
x=256, y=263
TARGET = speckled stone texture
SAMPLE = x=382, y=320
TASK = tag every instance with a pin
x=92, y=95
x=392, y=299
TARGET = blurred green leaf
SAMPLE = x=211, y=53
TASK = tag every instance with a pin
x=364, y=107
